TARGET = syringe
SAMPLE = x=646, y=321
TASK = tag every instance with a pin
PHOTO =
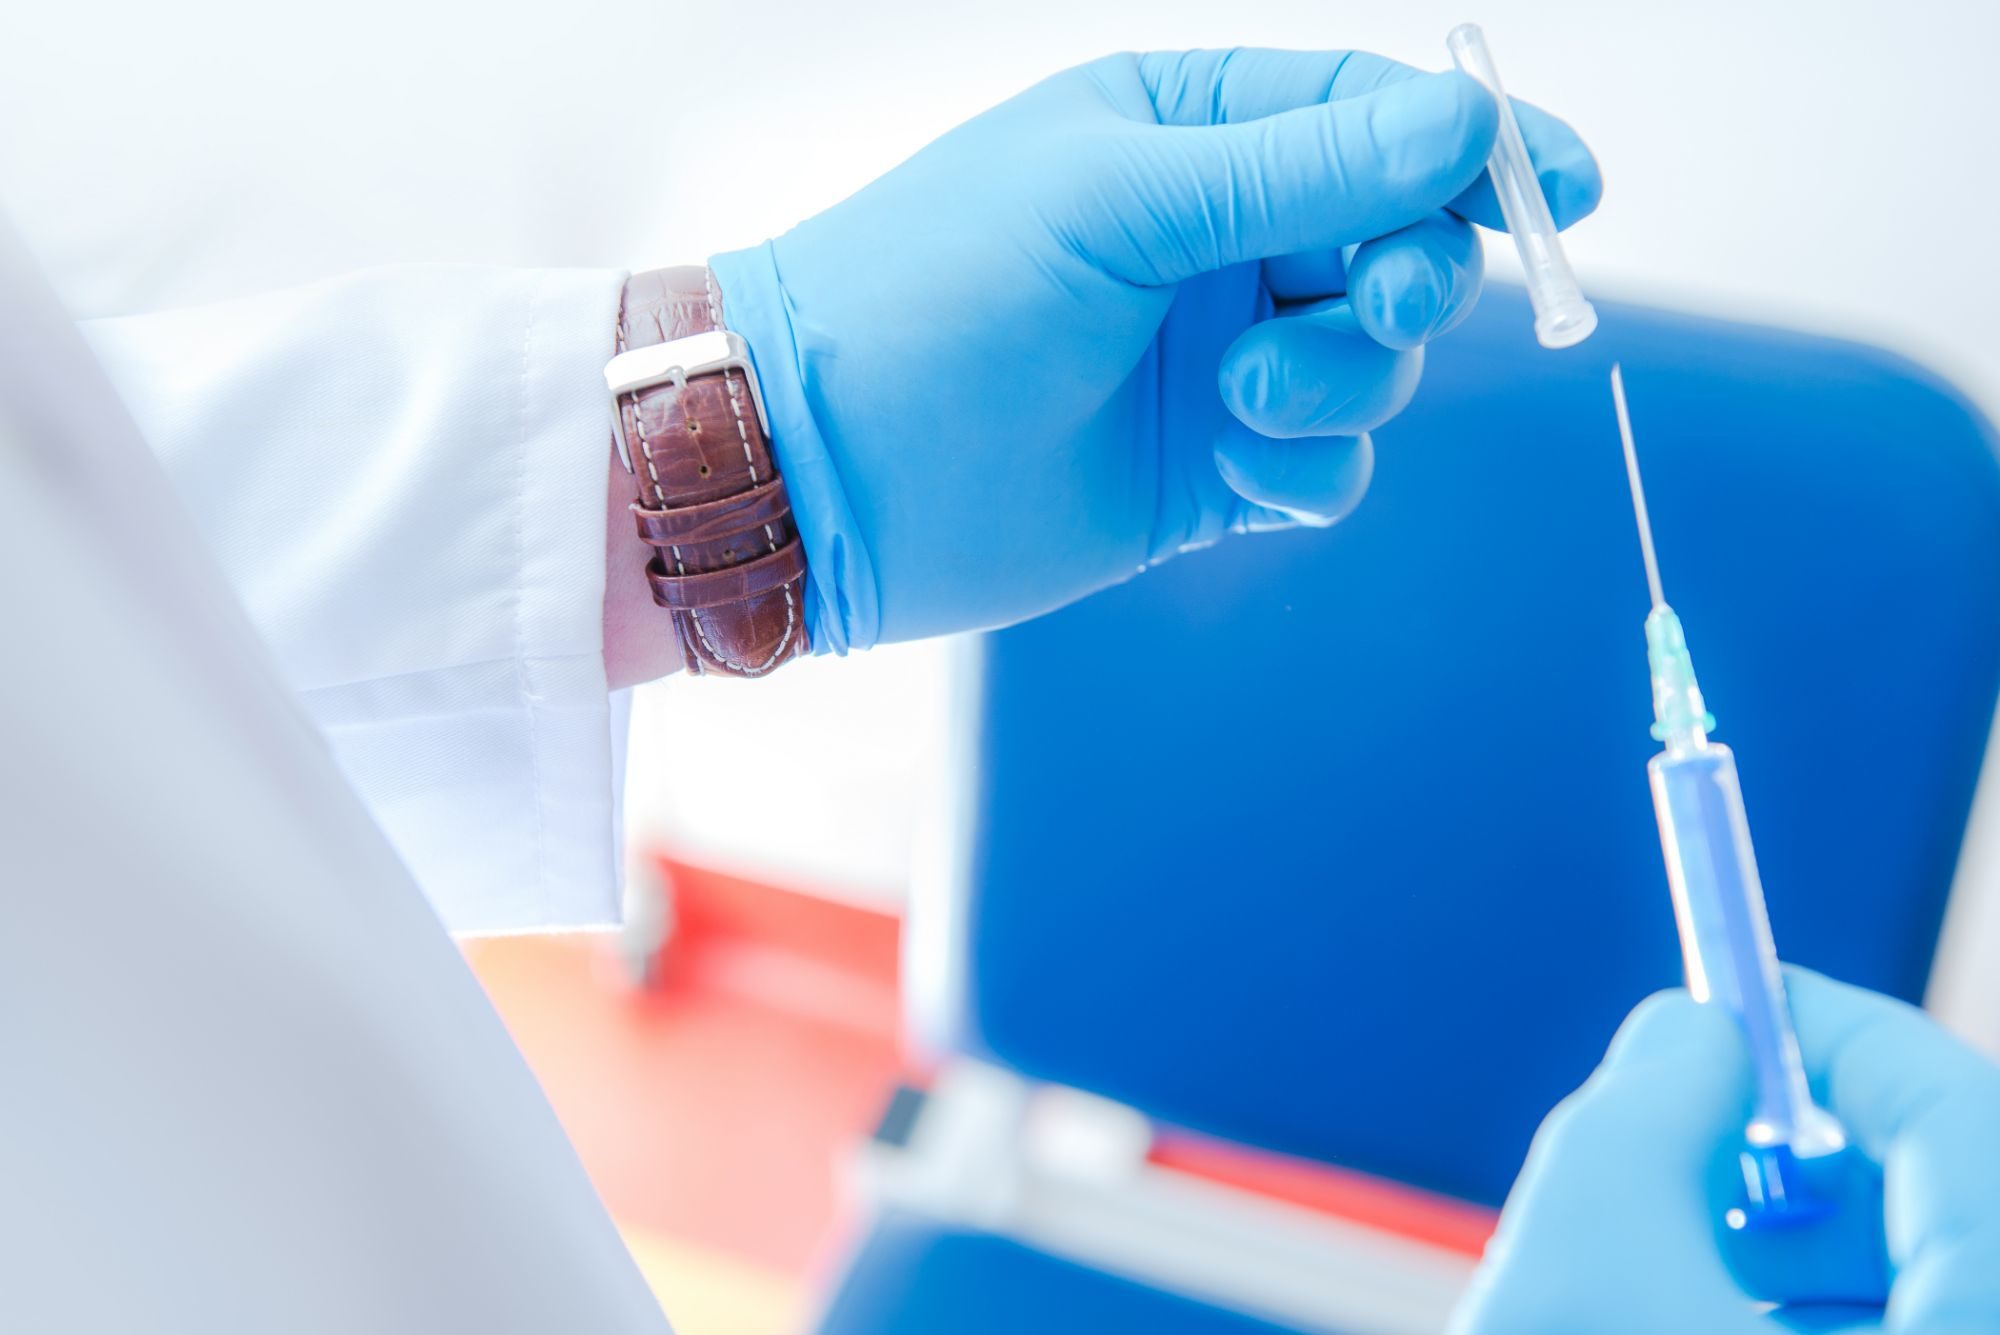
x=1719, y=902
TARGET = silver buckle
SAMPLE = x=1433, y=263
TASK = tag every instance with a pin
x=678, y=360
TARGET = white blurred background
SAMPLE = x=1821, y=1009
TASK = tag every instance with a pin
x=1826, y=166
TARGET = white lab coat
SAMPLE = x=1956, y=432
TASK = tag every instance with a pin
x=402, y=472
x=247, y=1085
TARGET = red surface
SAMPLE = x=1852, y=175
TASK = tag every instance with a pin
x=718, y=1106
x=1389, y=1206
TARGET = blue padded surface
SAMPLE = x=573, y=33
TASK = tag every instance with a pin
x=1339, y=842
x=913, y=1277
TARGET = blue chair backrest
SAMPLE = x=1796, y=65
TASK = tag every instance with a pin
x=1339, y=842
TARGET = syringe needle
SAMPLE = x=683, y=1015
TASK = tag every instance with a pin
x=1638, y=488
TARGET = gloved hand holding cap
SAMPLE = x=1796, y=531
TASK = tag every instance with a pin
x=1149, y=301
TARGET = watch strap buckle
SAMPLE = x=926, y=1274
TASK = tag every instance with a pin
x=676, y=362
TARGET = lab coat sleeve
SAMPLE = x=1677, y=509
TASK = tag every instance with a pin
x=403, y=473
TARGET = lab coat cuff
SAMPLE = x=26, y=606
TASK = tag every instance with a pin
x=498, y=779
x=403, y=473
x=843, y=603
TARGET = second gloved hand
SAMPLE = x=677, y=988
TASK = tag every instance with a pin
x=1616, y=1226
x=1149, y=301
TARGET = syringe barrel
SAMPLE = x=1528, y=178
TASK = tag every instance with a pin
x=1726, y=938
x=1562, y=316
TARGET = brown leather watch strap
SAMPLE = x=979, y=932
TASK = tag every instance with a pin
x=722, y=588
x=708, y=520
x=727, y=563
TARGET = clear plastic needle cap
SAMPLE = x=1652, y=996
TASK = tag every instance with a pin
x=1562, y=317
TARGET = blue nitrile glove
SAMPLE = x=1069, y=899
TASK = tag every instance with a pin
x=992, y=375
x=1615, y=1226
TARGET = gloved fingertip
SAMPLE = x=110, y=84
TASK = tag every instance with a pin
x=1246, y=378
x=1473, y=109
x=1316, y=374
x=1670, y=1041
x=1398, y=299
x=1456, y=311
x=1434, y=126
x=1573, y=190
x=1670, y=1022
x=1315, y=482
x=1313, y=518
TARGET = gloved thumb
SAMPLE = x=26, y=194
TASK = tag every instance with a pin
x=1660, y=1121
x=1614, y=1212
x=1175, y=201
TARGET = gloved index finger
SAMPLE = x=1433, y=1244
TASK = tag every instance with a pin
x=1250, y=83
x=1570, y=180
x=1247, y=83
x=1172, y=202
x=1925, y=1107
x=1881, y=1064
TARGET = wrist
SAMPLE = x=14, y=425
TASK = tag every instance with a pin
x=843, y=608
x=635, y=648
x=707, y=521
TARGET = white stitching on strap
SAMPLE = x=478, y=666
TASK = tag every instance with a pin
x=652, y=466
x=660, y=498
x=749, y=462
